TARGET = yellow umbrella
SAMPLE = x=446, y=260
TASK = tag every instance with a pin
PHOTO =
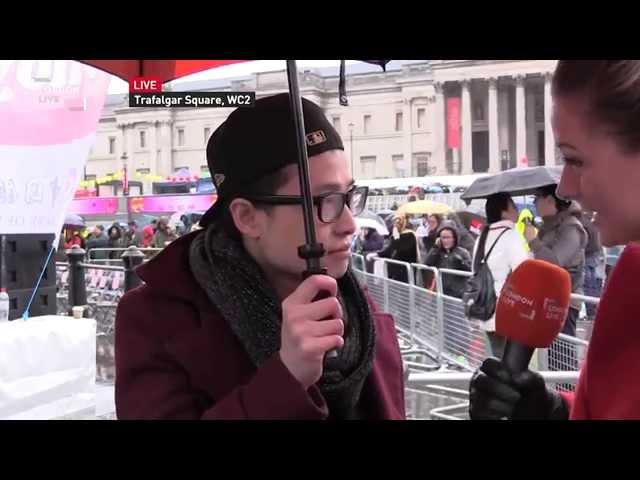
x=423, y=207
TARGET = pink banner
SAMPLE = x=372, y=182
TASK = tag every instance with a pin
x=49, y=110
x=47, y=102
x=95, y=206
x=453, y=122
x=171, y=203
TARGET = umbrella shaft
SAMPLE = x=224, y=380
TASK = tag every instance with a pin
x=312, y=250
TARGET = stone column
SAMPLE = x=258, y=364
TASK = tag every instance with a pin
x=532, y=133
x=440, y=131
x=407, y=128
x=521, y=131
x=467, y=148
x=165, y=165
x=494, y=139
x=549, y=140
x=504, y=122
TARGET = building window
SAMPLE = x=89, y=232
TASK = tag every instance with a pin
x=398, y=121
x=367, y=124
x=177, y=169
x=337, y=124
x=181, y=137
x=207, y=132
x=478, y=112
x=204, y=169
x=90, y=176
x=143, y=171
x=112, y=145
x=143, y=139
x=368, y=166
x=421, y=162
x=399, y=169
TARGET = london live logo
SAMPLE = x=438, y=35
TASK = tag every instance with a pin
x=147, y=92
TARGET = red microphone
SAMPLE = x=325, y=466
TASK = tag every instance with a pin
x=531, y=310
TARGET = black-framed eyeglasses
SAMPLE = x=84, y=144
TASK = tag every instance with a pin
x=330, y=205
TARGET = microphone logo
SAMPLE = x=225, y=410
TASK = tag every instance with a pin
x=512, y=298
x=552, y=310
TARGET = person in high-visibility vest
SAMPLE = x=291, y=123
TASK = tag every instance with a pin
x=526, y=216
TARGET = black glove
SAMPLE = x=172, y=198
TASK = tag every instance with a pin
x=495, y=394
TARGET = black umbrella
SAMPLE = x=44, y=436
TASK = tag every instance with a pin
x=516, y=181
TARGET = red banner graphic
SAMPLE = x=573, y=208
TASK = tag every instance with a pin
x=453, y=122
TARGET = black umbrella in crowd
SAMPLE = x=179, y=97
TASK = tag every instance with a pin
x=516, y=181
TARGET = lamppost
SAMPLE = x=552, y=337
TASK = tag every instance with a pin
x=351, y=125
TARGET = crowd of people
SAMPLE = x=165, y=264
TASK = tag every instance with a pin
x=108, y=244
x=565, y=236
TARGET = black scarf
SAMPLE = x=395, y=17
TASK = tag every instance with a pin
x=237, y=287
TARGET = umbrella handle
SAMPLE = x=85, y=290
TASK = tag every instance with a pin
x=322, y=294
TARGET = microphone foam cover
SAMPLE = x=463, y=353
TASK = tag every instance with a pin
x=534, y=303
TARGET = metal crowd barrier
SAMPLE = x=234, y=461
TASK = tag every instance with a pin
x=98, y=288
x=91, y=254
x=436, y=339
x=445, y=395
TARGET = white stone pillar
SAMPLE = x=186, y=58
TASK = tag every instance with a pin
x=131, y=147
x=494, y=139
x=521, y=131
x=467, y=148
x=407, y=141
x=440, y=131
x=532, y=132
x=504, y=122
x=549, y=141
x=166, y=148
x=153, y=154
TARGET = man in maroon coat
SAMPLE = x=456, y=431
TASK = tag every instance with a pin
x=224, y=327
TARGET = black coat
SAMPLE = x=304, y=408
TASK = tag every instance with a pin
x=98, y=242
x=402, y=249
x=455, y=259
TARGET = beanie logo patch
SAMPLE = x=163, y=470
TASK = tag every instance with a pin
x=219, y=178
x=316, y=138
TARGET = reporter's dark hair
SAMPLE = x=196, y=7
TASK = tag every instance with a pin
x=611, y=89
x=496, y=204
x=551, y=190
x=265, y=186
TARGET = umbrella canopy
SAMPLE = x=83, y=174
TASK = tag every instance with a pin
x=423, y=207
x=71, y=220
x=371, y=220
x=166, y=70
x=516, y=181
